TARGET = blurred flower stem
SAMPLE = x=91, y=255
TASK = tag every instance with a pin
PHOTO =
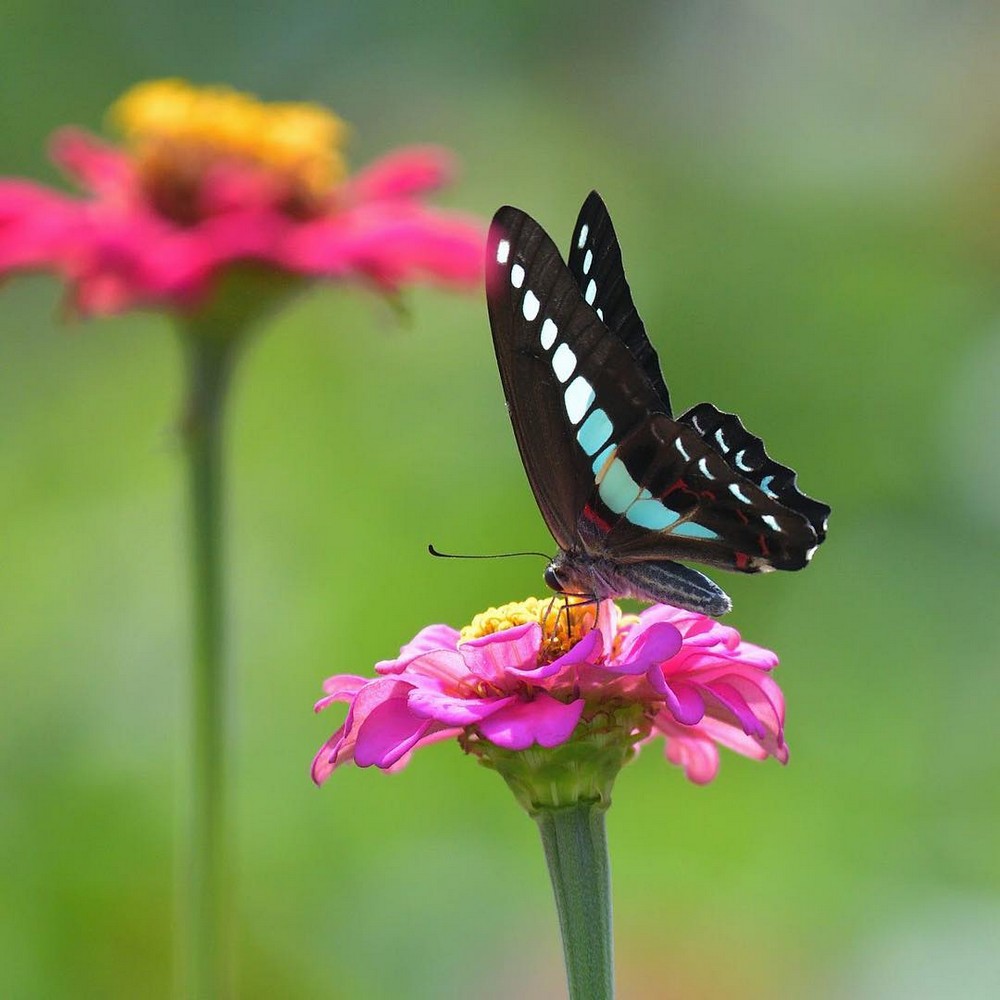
x=576, y=850
x=205, y=938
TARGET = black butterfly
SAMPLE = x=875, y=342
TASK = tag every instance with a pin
x=625, y=487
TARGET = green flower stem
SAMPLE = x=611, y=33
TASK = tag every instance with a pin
x=576, y=850
x=566, y=789
x=205, y=933
x=213, y=337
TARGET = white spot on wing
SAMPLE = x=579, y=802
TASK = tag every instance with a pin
x=600, y=313
x=694, y=424
x=721, y=440
x=734, y=488
x=584, y=233
x=591, y=293
x=811, y=552
x=548, y=335
x=579, y=395
x=740, y=464
x=503, y=251
x=769, y=520
x=680, y=448
x=587, y=261
x=530, y=305
x=703, y=465
x=563, y=362
x=517, y=275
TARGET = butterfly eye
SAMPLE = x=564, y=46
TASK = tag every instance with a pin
x=552, y=580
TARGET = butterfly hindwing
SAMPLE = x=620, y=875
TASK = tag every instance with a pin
x=689, y=504
x=744, y=452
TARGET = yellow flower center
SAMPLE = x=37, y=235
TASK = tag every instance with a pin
x=178, y=132
x=564, y=621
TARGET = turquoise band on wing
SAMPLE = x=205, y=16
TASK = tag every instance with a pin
x=594, y=432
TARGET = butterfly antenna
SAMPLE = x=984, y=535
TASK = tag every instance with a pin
x=498, y=555
x=564, y=610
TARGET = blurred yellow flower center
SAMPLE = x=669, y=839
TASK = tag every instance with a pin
x=178, y=131
x=564, y=622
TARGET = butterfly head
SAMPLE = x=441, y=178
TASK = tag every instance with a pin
x=553, y=577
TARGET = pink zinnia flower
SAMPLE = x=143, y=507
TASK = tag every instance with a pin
x=541, y=674
x=209, y=179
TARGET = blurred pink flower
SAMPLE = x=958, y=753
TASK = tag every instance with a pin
x=210, y=179
x=520, y=677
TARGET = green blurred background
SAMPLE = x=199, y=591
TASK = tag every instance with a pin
x=806, y=195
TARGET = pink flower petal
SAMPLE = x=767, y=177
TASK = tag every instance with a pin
x=720, y=695
x=732, y=738
x=609, y=617
x=389, y=731
x=389, y=245
x=38, y=228
x=492, y=656
x=424, y=741
x=454, y=711
x=683, y=701
x=341, y=683
x=647, y=647
x=764, y=700
x=543, y=720
x=433, y=639
x=326, y=761
x=95, y=165
x=405, y=173
x=441, y=670
x=430, y=638
x=696, y=753
x=373, y=694
x=342, y=687
x=587, y=650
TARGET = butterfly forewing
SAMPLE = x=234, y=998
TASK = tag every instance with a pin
x=595, y=261
x=568, y=384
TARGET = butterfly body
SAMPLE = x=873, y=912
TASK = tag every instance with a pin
x=586, y=574
x=626, y=488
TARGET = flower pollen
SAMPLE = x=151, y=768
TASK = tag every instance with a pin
x=180, y=133
x=564, y=621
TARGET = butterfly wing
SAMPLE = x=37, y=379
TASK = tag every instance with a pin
x=569, y=386
x=669, y=495
x=595, y=261
x=725, y=434
x=614, y=475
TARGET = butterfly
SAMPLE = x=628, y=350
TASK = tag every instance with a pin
x=625, y=487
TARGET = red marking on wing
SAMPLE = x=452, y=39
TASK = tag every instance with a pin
x=591, y=515
x=763, y=546
x=742, y=560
